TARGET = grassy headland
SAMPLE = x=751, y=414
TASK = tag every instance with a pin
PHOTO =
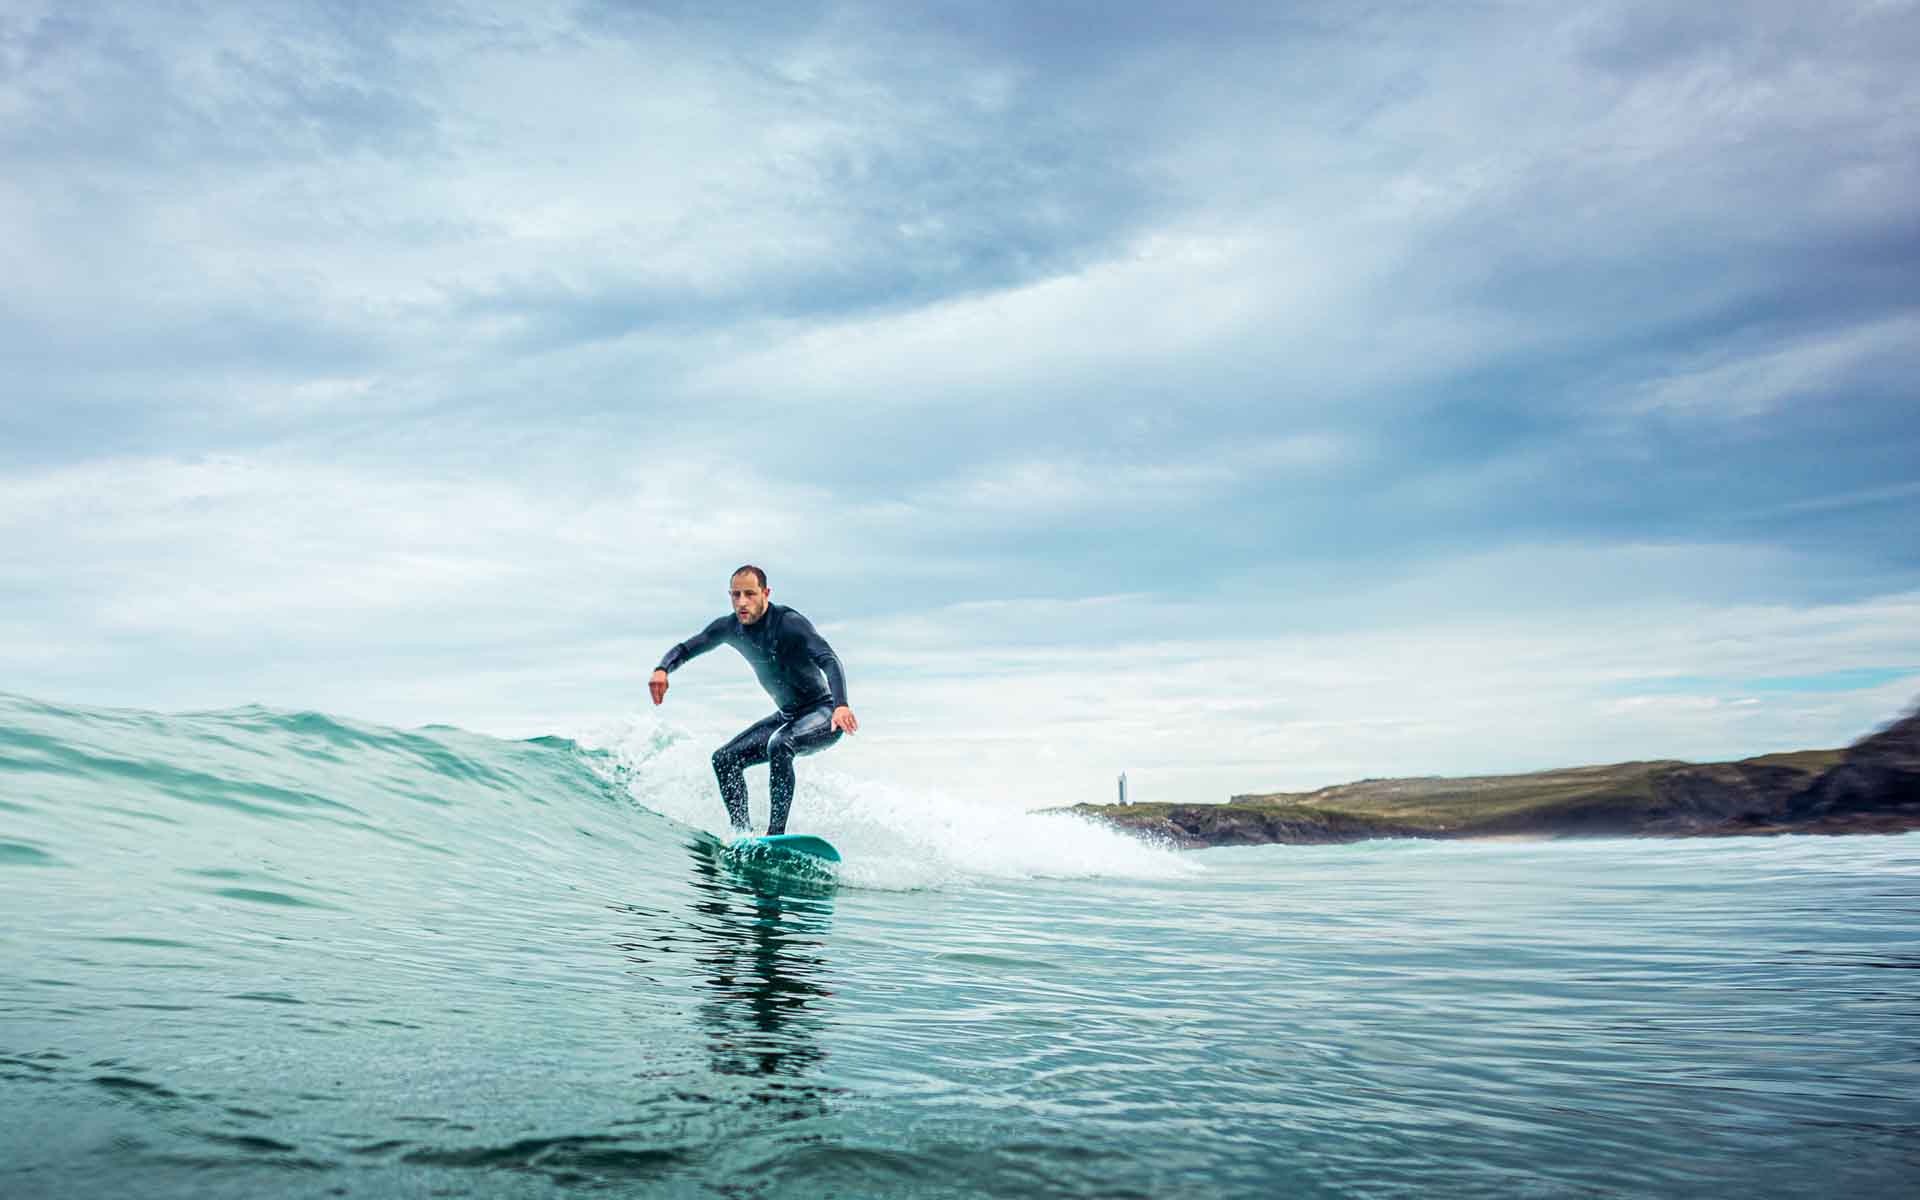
x=1870, y=787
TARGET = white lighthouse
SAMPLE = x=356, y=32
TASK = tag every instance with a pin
x=1123, y=787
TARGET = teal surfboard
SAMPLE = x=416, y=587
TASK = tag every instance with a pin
x=793, y=843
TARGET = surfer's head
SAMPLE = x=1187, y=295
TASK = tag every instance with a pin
x=748, y=591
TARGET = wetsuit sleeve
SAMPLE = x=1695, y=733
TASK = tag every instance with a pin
x=816, y=649
x=694, y=646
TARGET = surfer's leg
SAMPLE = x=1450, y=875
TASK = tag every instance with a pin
x=730, y=762
x=807, y=733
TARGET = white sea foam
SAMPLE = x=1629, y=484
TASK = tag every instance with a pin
x=893, y=838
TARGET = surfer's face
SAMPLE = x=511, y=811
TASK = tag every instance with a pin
x=749, y=598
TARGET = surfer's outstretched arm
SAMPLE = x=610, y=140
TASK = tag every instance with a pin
x=693, y=647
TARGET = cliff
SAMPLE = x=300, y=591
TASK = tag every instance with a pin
x=1871, y=787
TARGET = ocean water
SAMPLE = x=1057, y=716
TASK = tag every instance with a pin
x=259, y=953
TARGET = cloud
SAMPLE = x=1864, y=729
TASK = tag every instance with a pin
x=422, y=364
x=522, y=610
x=1271, y=708
x=1882, y=356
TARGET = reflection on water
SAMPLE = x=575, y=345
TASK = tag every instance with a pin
x=755, y=937
x=760, y=947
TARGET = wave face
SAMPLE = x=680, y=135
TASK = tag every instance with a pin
x=255, y=953
x=249, y=943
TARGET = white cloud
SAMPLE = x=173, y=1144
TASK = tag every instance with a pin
x=1024, y=339
x=1251, y=708
x=1818, y=367
x=462, y=600
x=1056, y=489
x=252, y=546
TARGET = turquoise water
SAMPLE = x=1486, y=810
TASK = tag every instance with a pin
x=256, y=953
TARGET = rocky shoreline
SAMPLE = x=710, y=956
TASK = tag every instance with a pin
x=1873, y=786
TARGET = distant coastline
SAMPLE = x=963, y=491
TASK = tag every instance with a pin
x=1872, y=786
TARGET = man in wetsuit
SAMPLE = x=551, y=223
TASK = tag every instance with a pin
x=790, y=657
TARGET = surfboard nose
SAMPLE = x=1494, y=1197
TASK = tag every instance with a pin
x=795, y=843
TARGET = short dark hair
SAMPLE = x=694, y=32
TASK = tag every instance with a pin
x=752, y=570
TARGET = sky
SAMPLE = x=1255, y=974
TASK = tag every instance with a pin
x=1249, y=397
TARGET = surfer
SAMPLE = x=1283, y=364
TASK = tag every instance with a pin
x=790, y=658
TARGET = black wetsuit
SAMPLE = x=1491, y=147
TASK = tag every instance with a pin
x=791, y=659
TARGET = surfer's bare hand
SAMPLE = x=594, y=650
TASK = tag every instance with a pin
x=843, y=719
x=658, y=686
